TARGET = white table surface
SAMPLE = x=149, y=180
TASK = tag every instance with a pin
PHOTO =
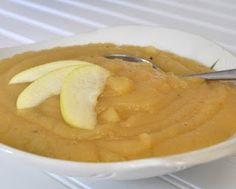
x=29, y=21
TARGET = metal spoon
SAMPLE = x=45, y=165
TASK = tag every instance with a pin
x=217, y=75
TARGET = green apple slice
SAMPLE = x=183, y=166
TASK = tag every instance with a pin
x=36, y=72
x=79, y=94
x=44, y=87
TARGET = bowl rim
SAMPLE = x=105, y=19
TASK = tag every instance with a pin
x=182, y=160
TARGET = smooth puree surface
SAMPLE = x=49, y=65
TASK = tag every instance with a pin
x=141, y=113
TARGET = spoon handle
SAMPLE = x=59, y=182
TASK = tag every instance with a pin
x=218, y=75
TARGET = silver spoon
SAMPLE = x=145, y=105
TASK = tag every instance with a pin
x=217, y=75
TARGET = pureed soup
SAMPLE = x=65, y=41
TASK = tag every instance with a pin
x=141, y=112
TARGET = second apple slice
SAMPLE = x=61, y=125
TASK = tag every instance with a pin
x=79, y=94
x=44, y=87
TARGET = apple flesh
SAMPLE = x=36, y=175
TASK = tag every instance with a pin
x=43, y=88
x=79, y=94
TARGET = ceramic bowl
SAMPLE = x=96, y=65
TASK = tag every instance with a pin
x=175, y=41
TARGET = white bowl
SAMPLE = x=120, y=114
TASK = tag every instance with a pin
x=179, y=42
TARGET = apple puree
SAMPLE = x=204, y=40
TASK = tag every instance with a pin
x=141, y=113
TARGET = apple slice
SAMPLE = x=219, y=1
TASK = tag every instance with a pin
x=44, y=87
x=36, y=72
x=79, y=94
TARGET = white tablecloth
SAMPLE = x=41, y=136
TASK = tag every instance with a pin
x=29, y=21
